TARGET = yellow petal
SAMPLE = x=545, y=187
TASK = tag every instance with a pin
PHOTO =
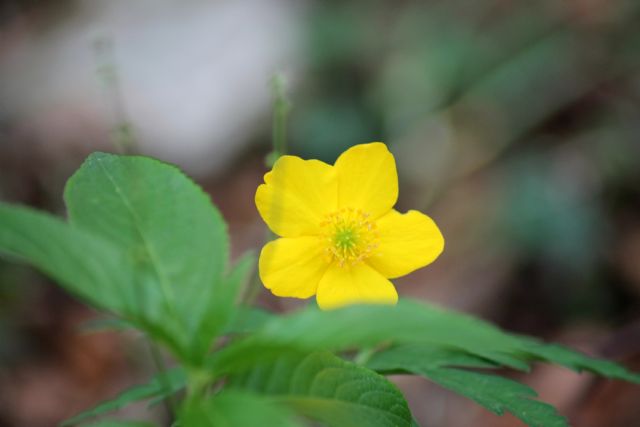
x=352, y=285
x=292, y=267
x=367, y=179
x=406, y=242
x=296, y=196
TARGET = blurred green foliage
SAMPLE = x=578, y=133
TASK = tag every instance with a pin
x=539, y=98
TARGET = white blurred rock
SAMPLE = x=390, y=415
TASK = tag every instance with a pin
x=194, y=74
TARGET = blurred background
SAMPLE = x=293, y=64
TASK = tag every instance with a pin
x=515, y=125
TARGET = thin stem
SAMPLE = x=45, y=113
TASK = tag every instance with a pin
x=281, y=108
x=197, y=382
x=364, y=355
x=254, y=286
x=170, y=403
x=122, y=133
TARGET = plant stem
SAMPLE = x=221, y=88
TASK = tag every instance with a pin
x=281, y=108
x=364, y=355
x=122, y=133
x=156, y=356
x=197, y=383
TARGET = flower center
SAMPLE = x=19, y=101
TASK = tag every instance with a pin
x=349, y=236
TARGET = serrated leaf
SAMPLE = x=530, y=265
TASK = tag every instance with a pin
x=83, y=263
x=161, y=386
x=235, y=409
x=166, y=225
x=430, y=356
x=495, y=393
x=554, y=353
x=224, y=306
x=498, y=395
x=408, y=322
x=329, y=389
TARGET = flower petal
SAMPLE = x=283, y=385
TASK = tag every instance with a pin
x=296, y=195
x=406, y=242
x=292, y=267
x=367, y=179
x=352, y=285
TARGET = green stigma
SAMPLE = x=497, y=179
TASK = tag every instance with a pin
x=345, y=238
x=349, y=236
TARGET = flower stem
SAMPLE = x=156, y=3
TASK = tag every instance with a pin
x=364, y=355
x=122, y=133
x=281, y=108
x=156, y=356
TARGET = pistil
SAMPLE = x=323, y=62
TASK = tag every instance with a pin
x=349, y=236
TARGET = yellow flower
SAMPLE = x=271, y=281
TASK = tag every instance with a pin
x=341, y=239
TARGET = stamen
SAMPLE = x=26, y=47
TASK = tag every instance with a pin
x=350, y=237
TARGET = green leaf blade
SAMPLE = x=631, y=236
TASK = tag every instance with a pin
x=235, y=409
x=165, y=224
x=82, y=263
x=329, y=389
x=495, y=393
x=408, y=322
x=161, y=386
x=554, y=353
x=498, y=394
x=224, y=310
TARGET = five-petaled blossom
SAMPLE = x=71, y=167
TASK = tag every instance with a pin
x=341, y=239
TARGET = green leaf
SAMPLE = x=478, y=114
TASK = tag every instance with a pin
x=408, y=322
x=246, y=320
x=161, y=386
x=495, y=393
x=578, y=362
x=224, y=308
x=235, y=409
x=498, y=394
x=166, y=225
x=84, y=264
x=329, y=389
x=431, y=356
